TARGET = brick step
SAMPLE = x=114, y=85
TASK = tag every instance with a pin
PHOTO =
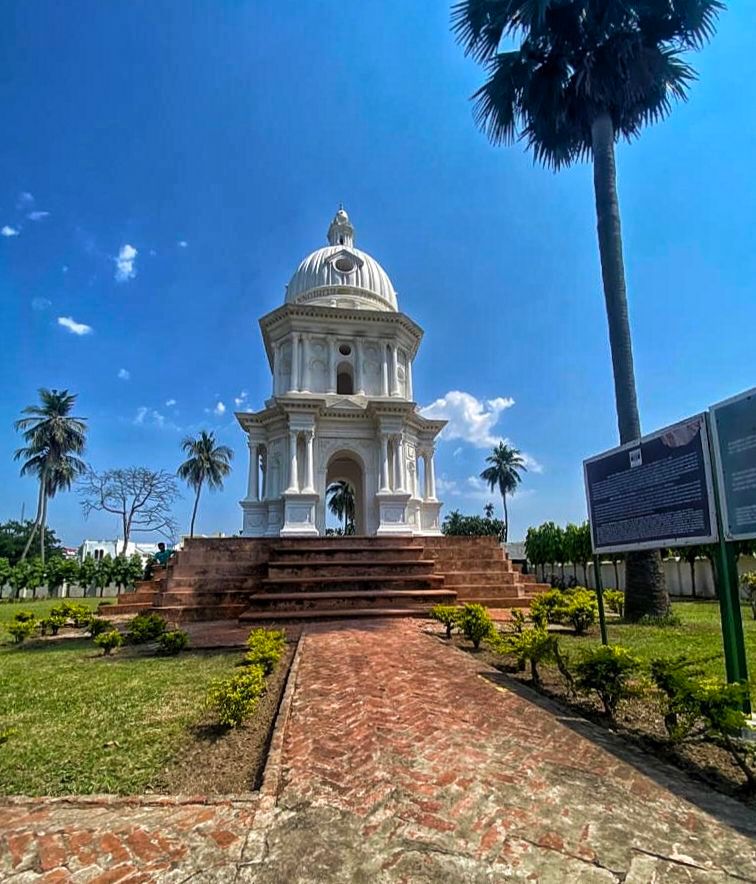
x=213, y=583
x=130, y=608
x=329, y=614
x=202, y=597
x=495, y=601
x=351, y=553
x=462, y=578
x=355, y=582
x=353, y=542
x=196, y=613
x=218, y=569
x=278, y=570
x=421, y=594
x=486, y=590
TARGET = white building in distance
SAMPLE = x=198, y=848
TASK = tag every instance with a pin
x=98, y=549
x=341, y=408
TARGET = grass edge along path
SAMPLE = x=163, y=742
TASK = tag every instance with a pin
x=81, y=723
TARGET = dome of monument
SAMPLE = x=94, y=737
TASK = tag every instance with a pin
x=339, y=275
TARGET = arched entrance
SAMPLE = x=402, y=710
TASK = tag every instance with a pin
x=345, y=466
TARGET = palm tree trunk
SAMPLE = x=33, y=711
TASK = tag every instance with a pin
x=42, y=529
x=646, y=592
x=693, y=578
x=194, y=511
x=506, y=516
x=616, y=575
x=38, y=517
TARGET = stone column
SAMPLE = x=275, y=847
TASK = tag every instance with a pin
x=359, y=368
x=253, y=483
x=384, y=463
x=399, y=463
x=309, y=461
x=276, y=369
x=394, y=370
x=264, y=470
x=294, y=383
x=293, y=472
x=331, y=365
x=431, y=473
x=305, y=363
x=384, y=371
x=410, y=394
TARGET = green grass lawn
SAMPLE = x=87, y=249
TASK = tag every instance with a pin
x=84, y=723
x=699, y=636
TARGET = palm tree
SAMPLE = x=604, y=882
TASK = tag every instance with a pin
x=584, y=75
x=207, y=463
x=54, y=440
x=503, y=473
x=341, y=503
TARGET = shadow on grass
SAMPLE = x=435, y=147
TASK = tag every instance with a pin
x=723, y=807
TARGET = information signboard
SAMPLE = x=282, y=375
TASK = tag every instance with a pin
x=653, y=493
x=734, y=432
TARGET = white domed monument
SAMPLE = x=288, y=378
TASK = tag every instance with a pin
x=342, y=408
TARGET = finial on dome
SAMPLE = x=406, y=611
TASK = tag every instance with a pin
x=341, y=232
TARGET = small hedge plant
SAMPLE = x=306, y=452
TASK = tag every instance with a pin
x=447, y=615
x=475, y=623
x=98, y=625
x=265, y=648
x=77, y=614
x=145, y=628
x=172, y=643
x=52, y=623
x=748, y=584
x=576, y=607
x=608, y=670
x=236, y=697
x=614, y=599
x=24, y=616
x=20, y=630
x=109, y=641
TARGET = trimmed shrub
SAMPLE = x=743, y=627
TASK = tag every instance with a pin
x=236, y=697
x=108, y=641
x=53, y=623
x=614, y=599
x=24, y=616
x=447, y=615
x=145, y=628
x=548, y=607
x=580, y=609
x=748, y=584
x=98, y=625
x=79, y=615
x=22, y=629
x=476, y=623
x=608, y=671
x=266, y=647
x=172, y=643
x=534, y=646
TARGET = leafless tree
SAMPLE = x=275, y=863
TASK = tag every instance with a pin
x=141, y=498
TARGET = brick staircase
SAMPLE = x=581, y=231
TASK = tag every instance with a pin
x=308, y=578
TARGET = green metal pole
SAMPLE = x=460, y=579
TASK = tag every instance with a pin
x=600, y=599
x=728, y=592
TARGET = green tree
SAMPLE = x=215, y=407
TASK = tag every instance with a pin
x=104, y=572
x=5, y=573
x=572, y=546
x=54, y=440
x=14, y=536
x=584, y=75
x=503, y=473
x=87, y=573
x=208, y=463
x=341, y=502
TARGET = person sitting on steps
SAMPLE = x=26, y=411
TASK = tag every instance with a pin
x=163, y=555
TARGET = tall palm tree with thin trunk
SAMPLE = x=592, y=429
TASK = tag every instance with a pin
x=341, y=502
x=503, y=472
x=584, y=74
x=54, y=440
x=208, y=463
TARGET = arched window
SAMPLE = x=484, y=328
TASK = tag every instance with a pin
x=344, y=379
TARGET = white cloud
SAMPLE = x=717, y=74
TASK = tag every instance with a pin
x=37, y=216
x=76, y=328
x=124, y=374
x=7, y=230
x=125, y=263
x=240, y=399
x=219, y=409
x=182, y=243
x=25, y=200
x=469, y=419
x=145, y=416
x=41, y=304
x=169, y=403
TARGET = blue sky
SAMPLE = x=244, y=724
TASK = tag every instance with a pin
x=164, y=167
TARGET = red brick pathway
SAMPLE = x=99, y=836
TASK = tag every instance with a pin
x=403, y=761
